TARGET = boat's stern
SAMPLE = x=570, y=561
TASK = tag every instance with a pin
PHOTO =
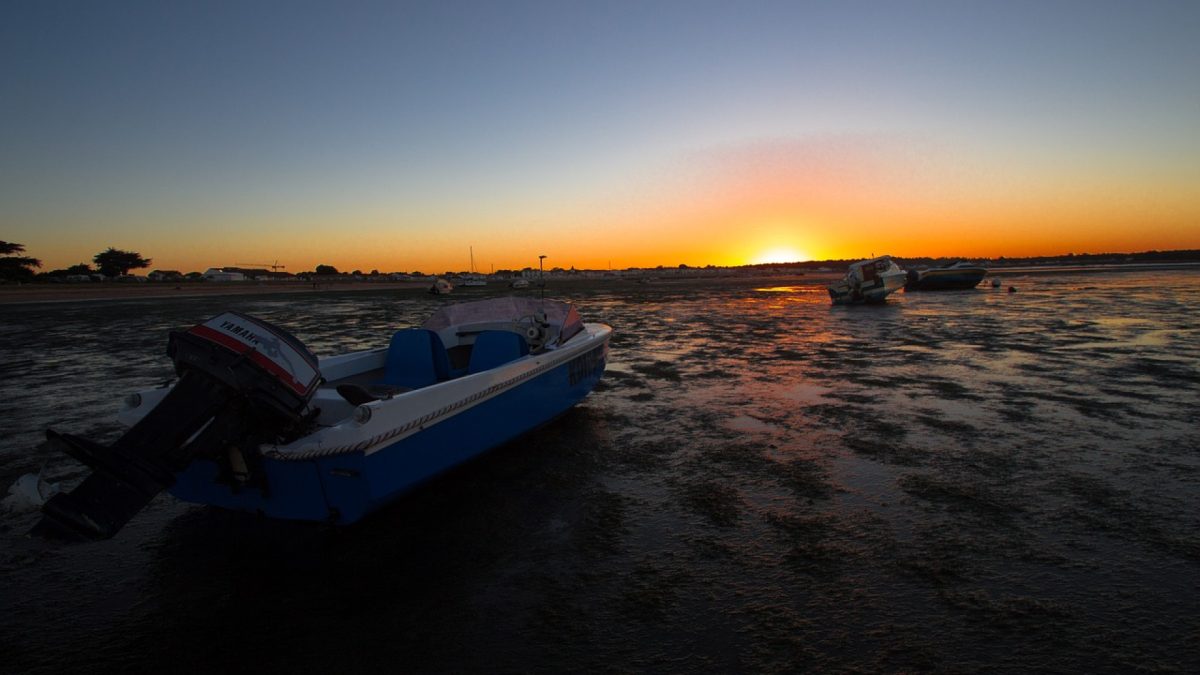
x=242, y=382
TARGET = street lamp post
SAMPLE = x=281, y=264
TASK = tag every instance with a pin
x=542, y=275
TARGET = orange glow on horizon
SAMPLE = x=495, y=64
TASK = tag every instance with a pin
x=788, y=202
x=779, y=255
x=719, y=239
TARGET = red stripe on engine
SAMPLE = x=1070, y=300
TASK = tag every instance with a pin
x=239, y=347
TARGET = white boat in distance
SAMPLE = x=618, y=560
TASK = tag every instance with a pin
x=441, y=287
x=868, y=281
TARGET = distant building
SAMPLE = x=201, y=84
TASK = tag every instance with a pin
x=260, y=274
x=223, y=274
x=256, y=273
x=165, y=275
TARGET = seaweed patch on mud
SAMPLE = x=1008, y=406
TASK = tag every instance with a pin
x=746, y=460
x=952, y=390
x=1018, y=411
x=642, y=456
x=968, y=495
x=621, y=377
x=601, y=526
x=1087, y=405
x=805, y=479
x=778, y=634
x=1010, y=613
x=1162, y=370
x=1101, y=507
x=836, y=415
x=716, y=373
x=812, y=543
x=718, y=502
x=790, y=355
x=659, y=370
x=650, y=591
x=937, y=570
x=886, y=448
x=960, y=430
x=863, y=397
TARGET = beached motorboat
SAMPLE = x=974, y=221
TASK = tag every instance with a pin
x=955, y=276
x=441, y=287
x=257, y=423
x=868, y=281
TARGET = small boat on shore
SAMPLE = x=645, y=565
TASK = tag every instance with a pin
x=955, y=276
x=868, y=281
x=256, y=422
x=441, y=287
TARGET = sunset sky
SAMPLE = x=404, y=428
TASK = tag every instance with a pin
x=398, y=135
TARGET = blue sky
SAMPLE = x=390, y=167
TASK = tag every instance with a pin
x=173, y=125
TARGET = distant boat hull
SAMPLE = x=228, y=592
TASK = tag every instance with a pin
x=953, y=278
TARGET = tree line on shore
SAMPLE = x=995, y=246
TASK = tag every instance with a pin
x=1077, y=259
x=116, y=263
x=111, y=262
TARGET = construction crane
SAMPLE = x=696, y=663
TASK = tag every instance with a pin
x=275, y=267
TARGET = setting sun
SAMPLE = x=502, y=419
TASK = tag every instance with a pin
x=779, y=255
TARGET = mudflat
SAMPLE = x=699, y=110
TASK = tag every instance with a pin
x=35, y=293
x=961, y=481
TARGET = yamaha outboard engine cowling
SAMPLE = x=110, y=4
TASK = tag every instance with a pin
x=242, y=382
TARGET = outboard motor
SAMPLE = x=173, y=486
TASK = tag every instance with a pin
x=242, y=382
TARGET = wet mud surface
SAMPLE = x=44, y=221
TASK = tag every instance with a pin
x=963, y=481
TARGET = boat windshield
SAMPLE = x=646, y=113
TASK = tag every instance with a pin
x=561, y=315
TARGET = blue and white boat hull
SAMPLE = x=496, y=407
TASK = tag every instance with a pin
x=340, y=475
x=257, y=422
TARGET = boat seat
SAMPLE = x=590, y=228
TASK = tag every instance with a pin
x=494, y=348
x=416, y=358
